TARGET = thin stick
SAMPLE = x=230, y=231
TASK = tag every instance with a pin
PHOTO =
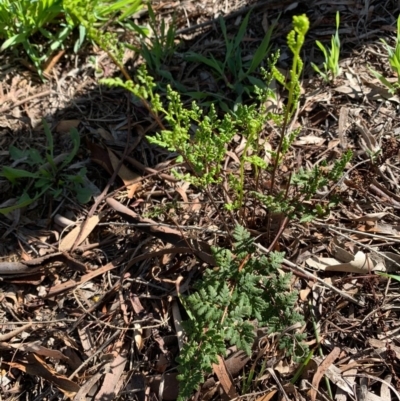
x=312, y=276
x=14, y=333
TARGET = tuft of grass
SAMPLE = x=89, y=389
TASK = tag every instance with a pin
x=236, y=75
x=157, y=49
x=332, y=55
x=394, y=62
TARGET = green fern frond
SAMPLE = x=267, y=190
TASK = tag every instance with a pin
x=229, y=302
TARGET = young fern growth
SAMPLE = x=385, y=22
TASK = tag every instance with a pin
x=204, y=150
x=245, y=291
x=295, y=41
x=305, y=184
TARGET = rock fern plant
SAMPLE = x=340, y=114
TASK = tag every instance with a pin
x=246, y=289
x=244, y=292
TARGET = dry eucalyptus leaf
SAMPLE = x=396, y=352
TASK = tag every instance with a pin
x=370, y=217
x=105, y=134
x=361, y=263
x=309, y=140
x=129, y=177
x=68, y=241
x=66, y=125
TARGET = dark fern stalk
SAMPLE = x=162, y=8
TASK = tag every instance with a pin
x=243, y=292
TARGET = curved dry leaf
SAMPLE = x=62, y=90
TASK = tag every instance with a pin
x=322, y=368
x=129, y=177
x=105, y=134
x=112, y=384
x=38, y=349
x=176, y=315
x=13, y=268
x=381, y=347
x=224, y=378
x=385, y=391
x=37, y=367
x=336, y=376
x=283, y=367
x=137, y=335
x=268, y=396
x=87, y=386
x=268, y=152
x=265, y=22
x=354, y=91
x=392, y=261
x=341, y=254
x=100, y=156
x=65, y=126
x=182, y=192
x=381, y=228
x=378, y=92
x=167, y=384
x=292, y=6
x=68, y=241
x=315, y=97
x=367, y=141
x=370, y=217
x=342, y=126
x=361, y=263
x=235, y=363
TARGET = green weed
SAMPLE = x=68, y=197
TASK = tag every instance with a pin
x=203, y=148
x=331, y=64
x=295, y=41
x=393, y=276
x=42, y=27
x=21, y=20
x=46, y=175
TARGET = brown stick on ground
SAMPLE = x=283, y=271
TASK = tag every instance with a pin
x=200, y=248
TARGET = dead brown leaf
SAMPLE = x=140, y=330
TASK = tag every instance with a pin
x=112, y=380
x=37, y=367
x=65, y=126
x=130, y=178
x=321, y=371
x=68, y=241
x=224, y=378
x=267, y=397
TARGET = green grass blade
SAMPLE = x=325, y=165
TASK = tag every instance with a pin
x=24, y=200
x=14, y=40
x=49, y=138
x=76, y=141
x=262, y=51
x=393, y=276
x=242, y=31
x=198, y=58
x=17, y=154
